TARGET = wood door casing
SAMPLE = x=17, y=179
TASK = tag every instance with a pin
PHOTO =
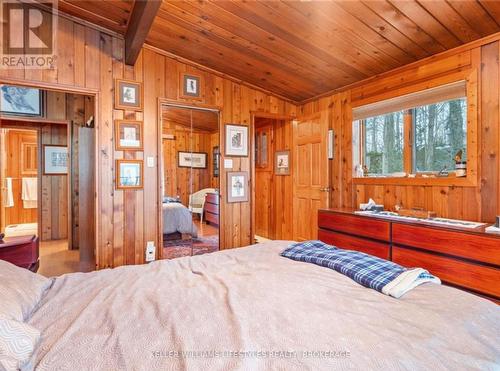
x=310, y=175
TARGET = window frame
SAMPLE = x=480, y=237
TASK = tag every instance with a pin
x=471, y=180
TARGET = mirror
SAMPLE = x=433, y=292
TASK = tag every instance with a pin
x=190, y=181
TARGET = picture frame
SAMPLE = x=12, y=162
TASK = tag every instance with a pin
x=237, y=186
x=282, y=163
x=128, y=95
x=216, y=161
x=21, y=101
x=194, y=160
x=129, y=174
x=236, y=140
x=55, y=159
x=191, y=85
x=129, y=135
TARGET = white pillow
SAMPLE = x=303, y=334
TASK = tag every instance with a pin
x=18, y=341
x=20, y=290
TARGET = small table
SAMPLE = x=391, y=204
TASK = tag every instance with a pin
x=22, y=251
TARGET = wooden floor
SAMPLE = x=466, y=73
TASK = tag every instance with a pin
x=205, y=230
x=56, y=259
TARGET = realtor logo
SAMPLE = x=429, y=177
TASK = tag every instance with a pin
x=28, y=34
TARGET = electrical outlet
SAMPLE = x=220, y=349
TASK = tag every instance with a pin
x=150, y=251
x=150, y=161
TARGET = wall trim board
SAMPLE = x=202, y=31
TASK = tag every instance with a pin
x=461, y=48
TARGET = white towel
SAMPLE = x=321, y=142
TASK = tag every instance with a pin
x=29, y=193
x=9, y=196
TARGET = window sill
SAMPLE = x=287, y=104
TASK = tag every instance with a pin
x=450, y=181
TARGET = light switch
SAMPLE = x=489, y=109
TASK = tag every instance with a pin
x=228, y=163
x=151, y=161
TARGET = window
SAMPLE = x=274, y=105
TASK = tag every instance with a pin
x=383, y=143
x=416, y=133
x=440, y=131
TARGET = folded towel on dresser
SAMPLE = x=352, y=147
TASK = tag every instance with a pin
x=9, y=195
x=29, y=193
x=382, y=275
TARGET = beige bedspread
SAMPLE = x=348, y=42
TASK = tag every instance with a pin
x=280, y=314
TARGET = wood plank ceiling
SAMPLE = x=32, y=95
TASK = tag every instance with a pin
x=301, y=49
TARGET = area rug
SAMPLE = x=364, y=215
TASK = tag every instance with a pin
x=195, y=246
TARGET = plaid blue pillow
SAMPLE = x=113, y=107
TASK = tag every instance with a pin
x=367, y=270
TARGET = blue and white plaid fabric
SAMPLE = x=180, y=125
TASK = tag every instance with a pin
x=367, y=270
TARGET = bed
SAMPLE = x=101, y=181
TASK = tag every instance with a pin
x=251, y=309
x=178, y=219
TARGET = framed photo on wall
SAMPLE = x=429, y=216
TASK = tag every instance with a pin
x=128, y=135
x=195, y=160
x=282, y=163
x=236, y=140
x=191, y=85
x=55, y=159
x=129, y=174
x=128, y=95
x=19, y=100
x=237, y=186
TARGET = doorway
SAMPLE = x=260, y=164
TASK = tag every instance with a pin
x=47, y=175
x=190, y=168
x=273, y=211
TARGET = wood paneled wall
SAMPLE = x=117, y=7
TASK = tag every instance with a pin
x=88, y=60
x=481, y=202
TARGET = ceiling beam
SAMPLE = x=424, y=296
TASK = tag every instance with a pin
x=141, y=20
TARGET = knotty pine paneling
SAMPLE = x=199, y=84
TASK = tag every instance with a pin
x=89, y=60
x=480, y=203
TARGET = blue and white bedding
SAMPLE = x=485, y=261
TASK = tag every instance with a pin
x=382, y=275
x=178, y=219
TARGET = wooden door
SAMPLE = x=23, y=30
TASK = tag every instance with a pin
x=311, y=175
x=264, y=223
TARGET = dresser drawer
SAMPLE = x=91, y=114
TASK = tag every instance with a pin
x=214, y=209
x=347, y=242
x=212, y=198
x=470, y=246
x=212, y=218
x=471, y=276
x=356, y=225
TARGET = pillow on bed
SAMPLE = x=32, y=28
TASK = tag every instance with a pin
x=20, y=290
x=18, y=341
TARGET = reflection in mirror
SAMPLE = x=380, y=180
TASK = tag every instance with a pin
x=190, y=141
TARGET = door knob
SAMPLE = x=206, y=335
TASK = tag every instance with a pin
x=326, y=189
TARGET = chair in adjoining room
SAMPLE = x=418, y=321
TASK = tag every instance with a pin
x=197, y=201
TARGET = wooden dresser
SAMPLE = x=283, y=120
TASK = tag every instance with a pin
x=211, y=208
x=466, y=258
x=22, y=251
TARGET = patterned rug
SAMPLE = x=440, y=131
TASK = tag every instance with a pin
x=201, y=245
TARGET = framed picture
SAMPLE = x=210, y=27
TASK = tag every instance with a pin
x=18, y=100
x=128, y=135
x=282, y=163
x=129, y=174
x=236, y=140
x=191, y=85
x=195, y=160
x=237, y=186
x=216, y=161
x=55, y=159
x=128, y=95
